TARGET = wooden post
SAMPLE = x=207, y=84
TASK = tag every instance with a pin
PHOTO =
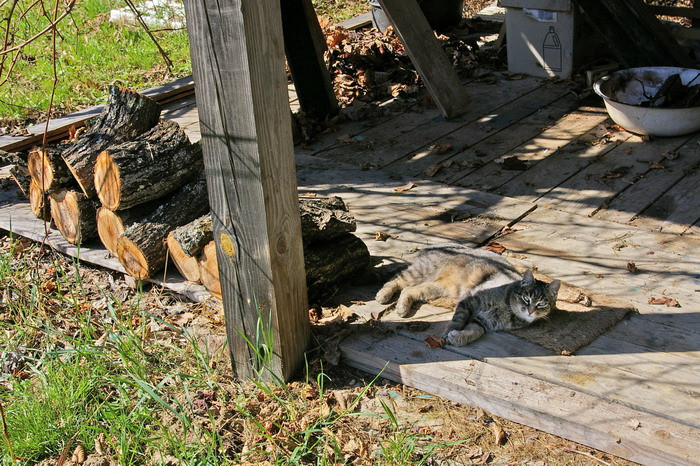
x=241, y=90
x=426, y=54
x=305, y=44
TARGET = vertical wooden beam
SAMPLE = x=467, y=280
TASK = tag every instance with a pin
x=241, y=90
x=427, y=55
x=305, y=45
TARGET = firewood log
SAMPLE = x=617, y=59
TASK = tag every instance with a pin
x=141, y=248
x=74, y=214
x=324, y=218
x=48, y=169
x=111, y=225
x=333, y=262
x=186, y=264
x=39, y=202
x=209, y=270
x=157, y=162
x=126, y=115
x=18, y=169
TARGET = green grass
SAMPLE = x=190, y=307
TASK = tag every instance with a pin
x=340, y=10
x=91, y=54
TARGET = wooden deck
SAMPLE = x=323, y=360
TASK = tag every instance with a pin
x=590, y=200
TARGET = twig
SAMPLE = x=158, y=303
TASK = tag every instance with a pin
x=139, y=18
x=6, y=433
x=584, y=453
x=64, y=454
x=69, y=8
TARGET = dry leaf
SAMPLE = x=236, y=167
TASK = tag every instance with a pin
x=499, y=434
x=407, y=187
x=433, y=169
x=434, y=342
x=315, y=313
x=671, y=155
x=634, y=424
x=440, y=148
x=632, y=267
x=617, y=172
x=345, y=138
x=381, y=236
x=345, y=312
x=330, y=320
x=71, y=133
x=658, y=165
x=670, y=302
x=78, y=455
x=377, y=315
x=425, y=409
x=495, y=247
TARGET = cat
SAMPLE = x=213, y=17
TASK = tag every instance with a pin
x=492, y=295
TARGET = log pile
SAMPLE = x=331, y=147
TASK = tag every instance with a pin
x=138, y=184
x=332, y=254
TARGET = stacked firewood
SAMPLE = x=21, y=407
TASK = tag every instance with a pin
x=137, y=182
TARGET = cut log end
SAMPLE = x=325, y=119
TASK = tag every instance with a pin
x=109, y=229
x=132, y=259
x=40, y=169
x=74, y=215
x=107, y=181
x=38, y=201
x=209, y=270
x=186, y=264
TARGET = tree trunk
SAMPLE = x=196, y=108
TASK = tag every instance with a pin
x=156, y=163
x=186, y=264
x=141, y=248
x=329, y=263
x=324, y=218
x=74, y=214
x=126, y=115
x=39, y=202
x=48, y=169
x=209, y=270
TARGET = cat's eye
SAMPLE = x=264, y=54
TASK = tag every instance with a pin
x=541, y=305
x=525, y=299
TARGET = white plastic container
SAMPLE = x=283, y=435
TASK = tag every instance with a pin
x=540, y=37
x=623, y=91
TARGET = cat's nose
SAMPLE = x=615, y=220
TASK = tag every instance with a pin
x=530, y=311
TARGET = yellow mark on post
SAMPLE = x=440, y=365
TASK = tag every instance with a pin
x=226, y=244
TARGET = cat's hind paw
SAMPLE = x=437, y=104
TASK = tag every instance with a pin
x=384, y=295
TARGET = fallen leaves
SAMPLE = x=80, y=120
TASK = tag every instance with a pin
x=434, y=342
x=499, y=435
x=407, y=187
x=617, y=172
x=440, y=148
x=495, y=247
x=632, y=267
x=381, y=236
x=669, y=302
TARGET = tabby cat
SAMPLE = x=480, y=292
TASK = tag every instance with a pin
x=492, y=295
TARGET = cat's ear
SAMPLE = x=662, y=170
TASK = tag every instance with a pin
x=554, y=287
x=528, y=278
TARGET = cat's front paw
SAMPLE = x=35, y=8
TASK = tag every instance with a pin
x=464, y=337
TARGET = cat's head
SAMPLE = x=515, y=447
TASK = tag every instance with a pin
x=534, y=299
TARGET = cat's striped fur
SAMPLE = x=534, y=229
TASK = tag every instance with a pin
x=492, y=295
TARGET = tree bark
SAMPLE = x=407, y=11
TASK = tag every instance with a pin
x=324, y=218
x=110, y=224
x=156, y=163
x=191, y=238
x=126, y=115
x=74, y=214
x=329, y=263
x=48, y=169
x=209, y=270
x=141, y=248
x=20, y=174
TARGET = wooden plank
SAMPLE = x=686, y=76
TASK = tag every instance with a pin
x=677, y=210
x=238, y=63
x=572, y=414
x=652, y=185
x=427, y=55
x=599, y=183
x=567, y=129
x=398, y=137
x=594, y=254
x=305, y=45
x=563, y=164
x=357, y=22
x=58, y=127
x=424, y=159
